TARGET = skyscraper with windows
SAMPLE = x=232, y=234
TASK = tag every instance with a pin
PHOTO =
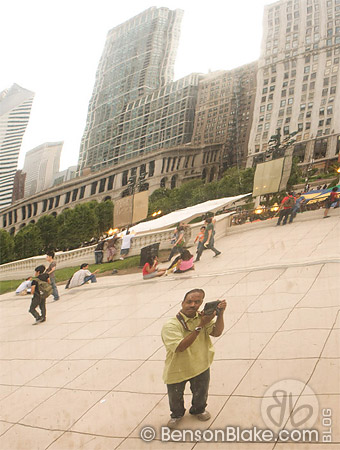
x=138, y=58
x=15, y=109
x=224, y=112
x=298, y=81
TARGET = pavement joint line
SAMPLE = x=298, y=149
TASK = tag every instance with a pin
x=113, y=389
x=271, y=338
x=254, y=361
x=313, y=371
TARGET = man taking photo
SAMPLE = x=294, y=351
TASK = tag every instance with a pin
x=189, y=355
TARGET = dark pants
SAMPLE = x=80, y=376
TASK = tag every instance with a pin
x=176, y=249
x=199, y=387
x=284, y=213
x=201, y=248
x=40, y=301
x=91, y=278
x=98, y=256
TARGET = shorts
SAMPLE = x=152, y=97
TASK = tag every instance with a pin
x=150, y=275
x=124, y=251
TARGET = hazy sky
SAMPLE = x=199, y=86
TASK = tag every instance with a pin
x=53, y=48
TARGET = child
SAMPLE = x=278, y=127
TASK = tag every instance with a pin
x=51, y=272
x=39, y=297
x=200, y=239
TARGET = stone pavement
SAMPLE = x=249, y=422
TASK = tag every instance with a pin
x=91, y=376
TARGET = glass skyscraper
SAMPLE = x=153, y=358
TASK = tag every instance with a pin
x=138, y=58
x=15, y=109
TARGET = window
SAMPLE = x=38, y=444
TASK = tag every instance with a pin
x=321, y=111
x=269, y=106
x=329, y=110
x=283, y=103
x=290, y=101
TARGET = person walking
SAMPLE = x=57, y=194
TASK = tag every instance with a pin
x=285, y=209
x=40, y=289
x=332, y=198
x=199, y=239
x=208, y=241
x=178, y=241
x=51, y=272
x=189, y=355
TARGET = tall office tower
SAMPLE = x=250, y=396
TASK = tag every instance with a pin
x=138, y=58
x=18, y=186
x=41, y=165
x=15, y=108
x=224, y=112
x=298, y=81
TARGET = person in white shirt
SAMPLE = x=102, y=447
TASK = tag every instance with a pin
x=126, y=244
x=82, y=276
x=25, y=287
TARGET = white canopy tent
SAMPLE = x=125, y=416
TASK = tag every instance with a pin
x=185, y=214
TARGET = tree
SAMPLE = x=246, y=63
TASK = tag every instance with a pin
x=104, y=211
x=28, y=242
x=234, y=182
x=7, y=247
x=76, y=226
x=48, y=232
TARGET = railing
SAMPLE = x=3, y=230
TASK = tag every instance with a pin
x=25, y=267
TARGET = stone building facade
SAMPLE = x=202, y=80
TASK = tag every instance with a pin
x=167, y=168
x=298, y=81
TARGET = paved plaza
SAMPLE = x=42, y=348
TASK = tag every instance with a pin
x=91, y=376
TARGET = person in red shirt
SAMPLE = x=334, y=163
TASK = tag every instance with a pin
x=333, y=197
x=150, y=268
x=286, y=207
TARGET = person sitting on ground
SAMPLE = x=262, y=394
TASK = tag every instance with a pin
x=82, y=276
x=333, y=197
x=150, y=268
x=40, y=293
x=25, y=287
x=183, y=263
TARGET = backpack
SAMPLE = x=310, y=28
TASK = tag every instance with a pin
x=45, y=289
x=290, y=202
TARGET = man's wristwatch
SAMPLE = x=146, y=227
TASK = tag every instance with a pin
x=198, y=329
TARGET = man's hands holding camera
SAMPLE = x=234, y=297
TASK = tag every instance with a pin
x=207, y=316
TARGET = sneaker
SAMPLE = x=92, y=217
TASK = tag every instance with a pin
x=38, y=319
x=173, y=422
x=56, y=299
x=42, y=319
x=203, y=416
x=326, y=217
x=217, y=254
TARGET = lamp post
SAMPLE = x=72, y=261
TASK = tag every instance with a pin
x=133, y=183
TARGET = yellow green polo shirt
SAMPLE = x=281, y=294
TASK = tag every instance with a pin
x=195, y=359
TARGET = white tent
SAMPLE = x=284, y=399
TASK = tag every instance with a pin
x=185, y=214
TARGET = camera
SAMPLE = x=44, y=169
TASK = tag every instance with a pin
x=210, y=307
